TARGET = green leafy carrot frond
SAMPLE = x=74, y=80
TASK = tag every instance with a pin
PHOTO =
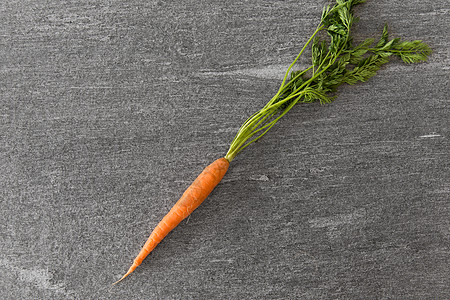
x=334, y=61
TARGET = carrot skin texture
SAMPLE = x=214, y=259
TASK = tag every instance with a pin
x=194, y=195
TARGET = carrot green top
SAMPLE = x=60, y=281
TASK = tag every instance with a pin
x=334, y=62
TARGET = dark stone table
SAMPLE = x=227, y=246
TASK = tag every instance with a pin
x=109, y=109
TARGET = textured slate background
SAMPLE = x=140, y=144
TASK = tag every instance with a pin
x=109, y=109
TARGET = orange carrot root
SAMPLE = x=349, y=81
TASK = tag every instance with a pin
x=194, y=195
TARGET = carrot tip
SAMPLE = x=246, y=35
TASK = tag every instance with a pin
x=132, y=268
x=123, y=277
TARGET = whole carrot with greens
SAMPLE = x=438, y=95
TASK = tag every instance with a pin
x=335, y=61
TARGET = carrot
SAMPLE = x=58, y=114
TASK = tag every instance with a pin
x=335, y=61
x=189, y=201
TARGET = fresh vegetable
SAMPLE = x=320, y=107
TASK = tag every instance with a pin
x=334, y=62
x=189, y=201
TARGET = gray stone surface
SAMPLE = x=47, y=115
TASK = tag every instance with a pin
x=110, y=108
